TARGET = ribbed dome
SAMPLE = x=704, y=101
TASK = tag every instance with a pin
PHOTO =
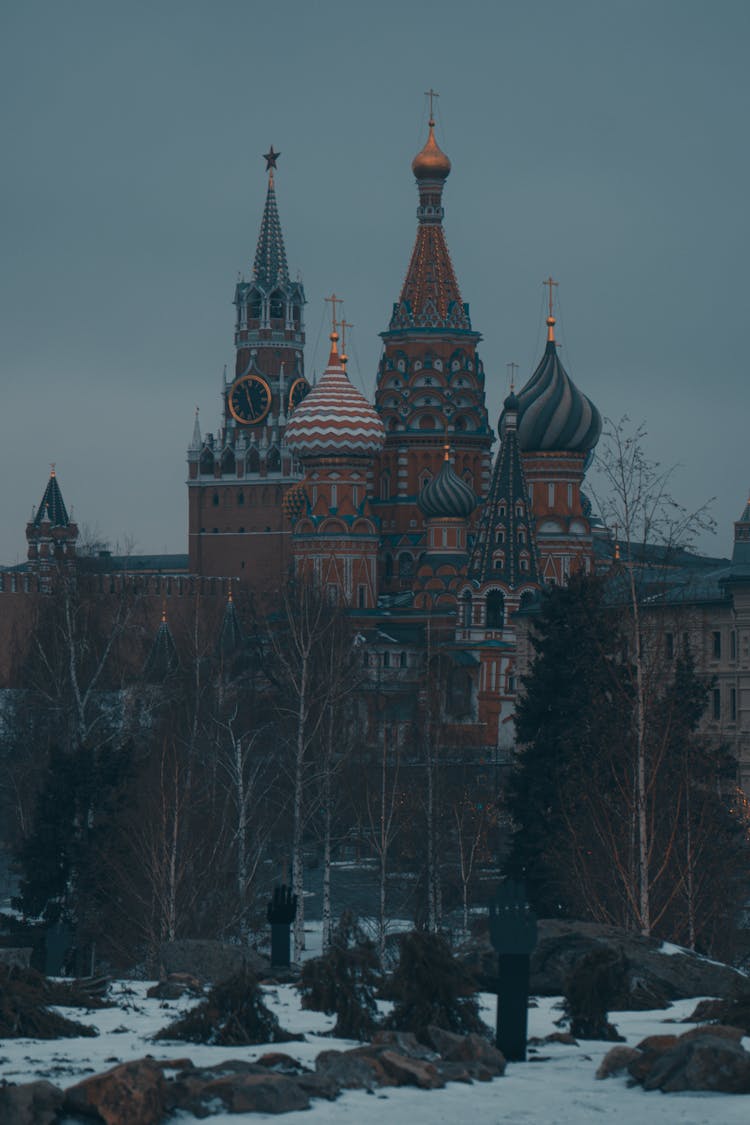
x=447, y=496
x=334, y=420
x=553, y=415
x=431, y=163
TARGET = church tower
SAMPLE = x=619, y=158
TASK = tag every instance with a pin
x=336, y=434
x=237, y=477
x=558, y=428
x=52, y=537
x=430, y=384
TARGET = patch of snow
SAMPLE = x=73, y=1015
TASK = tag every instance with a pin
x=559, y=1089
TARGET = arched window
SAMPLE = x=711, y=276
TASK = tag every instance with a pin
x=527, y=597
x=240, y=498
x=215, y=499
x=207, y=462
x=466, y=609
x=228, y=464
x=405, y=565
x=277, y=305
x=499, y=536
x=385, y=486
x=495, y=610
x=252, y=461
x=255, y=306
x=402, y=660
x=273, y=460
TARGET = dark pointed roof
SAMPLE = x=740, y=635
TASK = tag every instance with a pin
x=430, y=296
x=506, y=512
x=230, y=634
x=270, y=268
x=162, y=659
x=52, y=508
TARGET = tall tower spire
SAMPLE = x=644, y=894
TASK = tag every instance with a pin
x=237, y=475
x=430, y=385
x=269, y=267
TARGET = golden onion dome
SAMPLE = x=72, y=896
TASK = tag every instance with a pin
x=431, y=163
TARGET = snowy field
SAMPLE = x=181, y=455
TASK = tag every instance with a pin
x=558, y=1088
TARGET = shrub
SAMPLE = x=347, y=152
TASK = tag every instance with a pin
x=430, y=986
x=343, y=982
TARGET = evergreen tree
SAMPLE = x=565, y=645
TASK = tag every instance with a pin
x=571, y=711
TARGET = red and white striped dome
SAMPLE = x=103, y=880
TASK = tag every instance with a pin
x=334, y=419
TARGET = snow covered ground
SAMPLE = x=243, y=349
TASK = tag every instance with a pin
x=557, y=1089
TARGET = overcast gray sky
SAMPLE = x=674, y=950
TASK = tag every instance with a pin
x=604, y=142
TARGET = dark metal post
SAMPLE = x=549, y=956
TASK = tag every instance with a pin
x=281, y=913
x=513, y=934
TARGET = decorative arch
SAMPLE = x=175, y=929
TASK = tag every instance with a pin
x=228, y=463
x=207, y=462
x=252, y=460
x=273, y=460
x=276, y=305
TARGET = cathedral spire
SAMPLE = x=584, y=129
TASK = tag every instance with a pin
x=430, y=297
x=270, y=267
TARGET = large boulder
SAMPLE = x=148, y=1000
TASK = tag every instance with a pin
x=653, y=977
x=133, y=1093
x=33, y=1103
x=210, y=960
x=703, y=1062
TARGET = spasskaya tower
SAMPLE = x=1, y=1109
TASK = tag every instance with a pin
x=238, y=475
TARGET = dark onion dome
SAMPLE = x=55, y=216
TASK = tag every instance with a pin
x=447, y=496
x=431, y=163
x=334, y=419
x=553, y=415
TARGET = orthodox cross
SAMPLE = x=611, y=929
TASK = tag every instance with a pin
x=512, y=368
x=550, y=283
x=344, y=324
x=431, y=94
x=334, y=300
x=52, y=468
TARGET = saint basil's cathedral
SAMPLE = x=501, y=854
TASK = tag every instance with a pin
x=394, y=509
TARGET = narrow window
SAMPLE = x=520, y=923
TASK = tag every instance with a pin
x=733, y=704
x=669, y=646
x=551, y=495
x=716, y=698
x=733, y=645
x=716, y=644
x=361, y=597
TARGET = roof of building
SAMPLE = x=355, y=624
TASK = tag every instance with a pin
x=334, y=419
x=52, y=508
x=505, y=539
x=270, y=267
x=430, y=296
x=553, y=415
x=446, y=495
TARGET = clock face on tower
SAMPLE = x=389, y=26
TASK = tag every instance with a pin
x=249, y=399
x=297, y=392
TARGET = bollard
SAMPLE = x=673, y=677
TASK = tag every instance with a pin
x=513, y=935
x=281, y=913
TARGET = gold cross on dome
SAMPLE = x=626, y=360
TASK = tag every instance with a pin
x=334, y=300
x=431, y=94
x=512, y=368
x=550, y=283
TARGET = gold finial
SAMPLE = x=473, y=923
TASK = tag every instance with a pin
x=164, y=611
x=447, y=451
x=512, y=368
x=431, y=94
x=550, y=318
x=230, y=597
x=52, y=468
x=617, y=552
